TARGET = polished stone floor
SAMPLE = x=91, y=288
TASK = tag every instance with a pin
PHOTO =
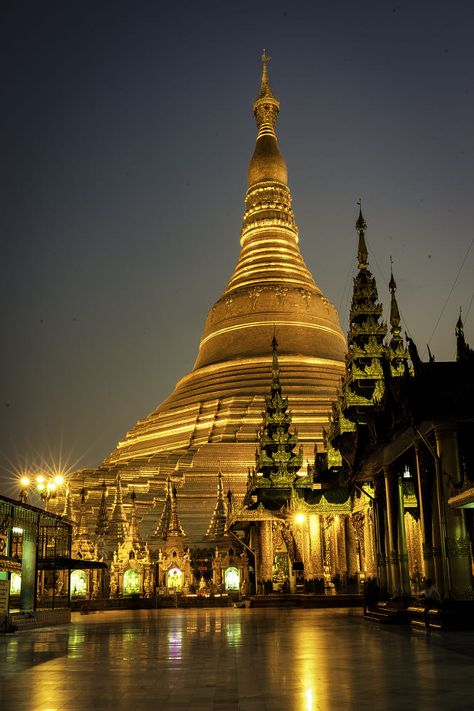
x=234, y=660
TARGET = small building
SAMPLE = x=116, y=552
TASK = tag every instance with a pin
x=35, y=561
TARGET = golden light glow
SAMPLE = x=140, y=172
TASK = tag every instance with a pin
x=258, y=324
x=40, y=486
x=59, y=480
x=300, y=518
x=40, y=479
x=25, y=481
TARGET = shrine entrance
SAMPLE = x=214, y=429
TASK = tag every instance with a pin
x=174, y=580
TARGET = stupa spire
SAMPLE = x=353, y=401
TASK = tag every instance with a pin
x=217, y=526
x=464, y=352
x=118, y=522
x=68, y=511
x=398, y=354
x=267, y=163
x=174, y=528
x=82, y=520
x=102, y=524
x=133, y=534
x=276, y=460
x=266, y=107
x=271, y=283
x=362, y=253
x=164, y=522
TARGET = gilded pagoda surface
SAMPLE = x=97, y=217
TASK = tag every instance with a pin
x=210, y=420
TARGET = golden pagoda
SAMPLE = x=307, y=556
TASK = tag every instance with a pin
x=210, y=420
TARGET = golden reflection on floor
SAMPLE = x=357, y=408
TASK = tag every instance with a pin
x=234, y=660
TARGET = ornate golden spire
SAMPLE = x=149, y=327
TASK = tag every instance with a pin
x=266, y=106
x=394, y=311
x=362, y=253
x=271, y=284
x=267, y=163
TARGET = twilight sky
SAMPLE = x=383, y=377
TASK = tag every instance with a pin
x=125, y=133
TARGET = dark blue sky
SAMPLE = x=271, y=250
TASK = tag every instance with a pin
x=125, y=133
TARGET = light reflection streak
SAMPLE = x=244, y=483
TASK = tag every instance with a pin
x=175, y=640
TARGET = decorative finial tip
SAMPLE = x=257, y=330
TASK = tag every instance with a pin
x=392, y=283
x=361, y=224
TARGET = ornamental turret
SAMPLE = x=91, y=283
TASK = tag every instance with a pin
x=363, y=382
x=175, y=530
x=397, y=352
x=118, y=523
x=217, y=527
x=102, y=523
x=465, y=354
x=276, y=459
x=133, y=537
x=164, y=522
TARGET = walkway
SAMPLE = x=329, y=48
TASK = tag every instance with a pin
x=234, y=660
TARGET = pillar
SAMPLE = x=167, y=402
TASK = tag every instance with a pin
x=266, y=554
x=317, y=563
x=306, y=551
x=28, y=571
x=351, y=547
x=392, y=524
x=380, y=535
x=369, y=544
x=405, y=587
x=341, y=545
x=457, y=545
x=426, y=533
x=334, y=566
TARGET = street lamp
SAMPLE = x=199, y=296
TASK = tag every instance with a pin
x=46, y=486
x=24, y=486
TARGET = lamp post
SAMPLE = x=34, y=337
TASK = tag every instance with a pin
x=46, y=486
x=24, y=488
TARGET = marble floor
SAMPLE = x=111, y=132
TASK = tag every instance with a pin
x=234, y=660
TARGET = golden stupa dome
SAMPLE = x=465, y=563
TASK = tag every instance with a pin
x=271, y=287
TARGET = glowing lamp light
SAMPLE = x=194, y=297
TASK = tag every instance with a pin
x=59, y=480
x=40, y=486
x=40, y=479
x=25, y=481
x=300, y=518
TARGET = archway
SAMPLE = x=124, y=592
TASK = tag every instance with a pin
x=131, y=582
x=174, y=579
x=78, y=583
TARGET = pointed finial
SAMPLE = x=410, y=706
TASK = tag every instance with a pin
x=361, y=226
x=266, y=106
x=265, y=87
x=459, y=324
x=392, y=283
